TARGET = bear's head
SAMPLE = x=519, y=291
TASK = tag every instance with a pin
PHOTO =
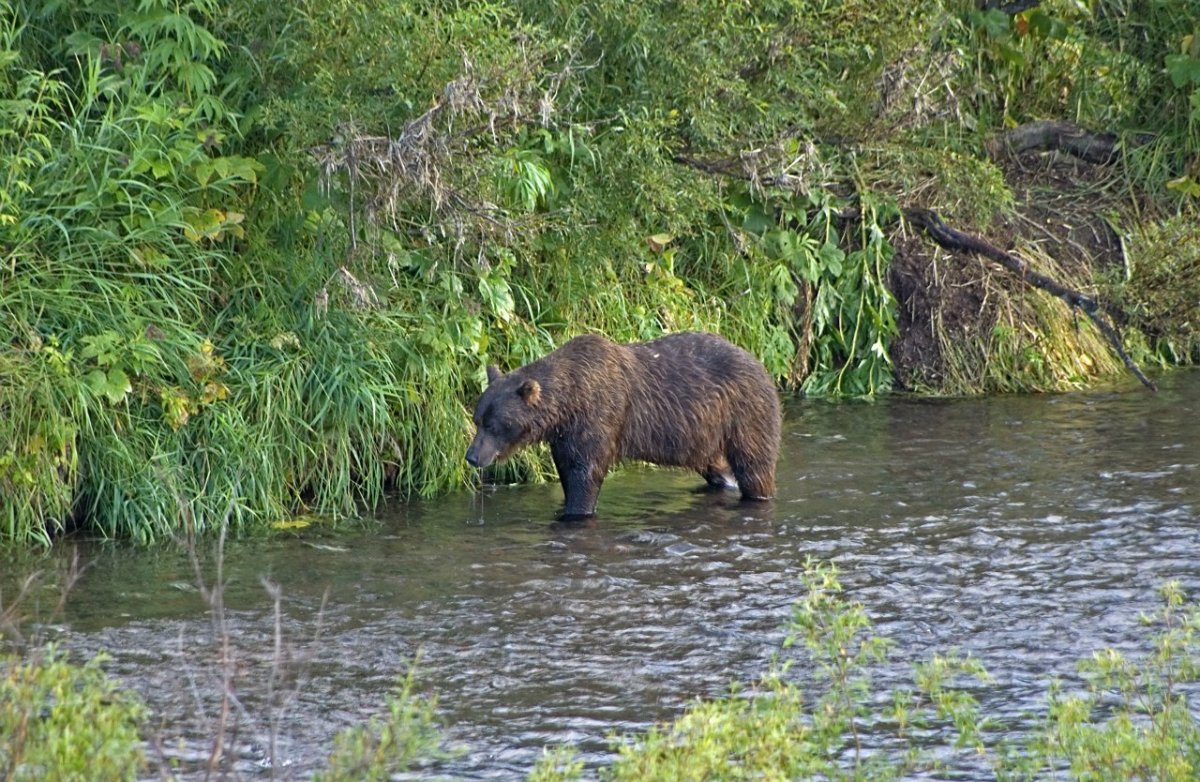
x=507, y=417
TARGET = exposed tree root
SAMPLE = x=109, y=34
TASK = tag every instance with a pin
x=951, y=239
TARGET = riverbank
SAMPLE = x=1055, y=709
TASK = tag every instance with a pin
x=257, y=256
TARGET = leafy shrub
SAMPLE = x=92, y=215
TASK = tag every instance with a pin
x=61, y=721
x=389, y=745
x=1132, y=721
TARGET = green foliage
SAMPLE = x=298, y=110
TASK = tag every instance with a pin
x=1165, y=38
x=1132, y=68
x=731, y=74
x=836, y=636
x=389, y=745
x=556, y=765
x=853, y=312
x=39, y=466
x=1132, y=720
x=946, y=179
x=61, y=721
x=835, y=304
x=115, y=215
x=256, y=256
x=1046, y=62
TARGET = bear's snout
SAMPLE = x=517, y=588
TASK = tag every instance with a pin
x=481, y=453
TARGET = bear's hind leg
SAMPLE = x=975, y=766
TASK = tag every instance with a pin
x=753, y=446
x=755, y=475
x=755, y=485
x=717, y=475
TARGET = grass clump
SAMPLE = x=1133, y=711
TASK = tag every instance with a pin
x=1133, y=718
x=1163, y=287
x=1033, y=342
x=407, y=736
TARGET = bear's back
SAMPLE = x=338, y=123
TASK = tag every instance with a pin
x=690, y=392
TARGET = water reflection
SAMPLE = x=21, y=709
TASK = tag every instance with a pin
x=1025, y=531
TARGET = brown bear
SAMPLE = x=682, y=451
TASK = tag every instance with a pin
x=687, y=400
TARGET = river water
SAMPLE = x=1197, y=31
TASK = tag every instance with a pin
x=1026, y=531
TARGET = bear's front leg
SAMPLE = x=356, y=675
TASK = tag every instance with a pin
x=581, y=480
x=580, y=493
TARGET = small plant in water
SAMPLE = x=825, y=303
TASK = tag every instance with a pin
x=833, y=728
x=401, y=739
x=1132, y=720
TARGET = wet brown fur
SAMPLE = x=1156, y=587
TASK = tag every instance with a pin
x=689, y=400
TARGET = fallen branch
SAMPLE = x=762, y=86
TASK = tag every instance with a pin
x=1093, y=147
x=1012, y=9
x=956, y=240
x=951, y=239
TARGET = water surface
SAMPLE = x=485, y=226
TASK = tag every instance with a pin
x=1027, y=531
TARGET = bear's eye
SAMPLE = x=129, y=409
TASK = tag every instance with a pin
x=490, y=422
x=503, y=428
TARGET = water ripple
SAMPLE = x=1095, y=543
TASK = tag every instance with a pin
x=1024, y=531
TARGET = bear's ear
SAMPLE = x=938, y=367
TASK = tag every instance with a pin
x=530, y=391
x=493, y=373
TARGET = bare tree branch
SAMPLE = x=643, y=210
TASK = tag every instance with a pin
x=949, y=238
